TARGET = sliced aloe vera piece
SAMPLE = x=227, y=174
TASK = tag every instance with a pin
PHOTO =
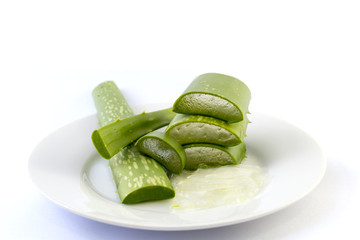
x=202, y=155
x=215, y=95
x=188, y=129
x=110, y=103
x=163, y=148
x=111, y=138
x=139, y=178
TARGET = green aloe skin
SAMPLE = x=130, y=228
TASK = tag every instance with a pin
x=138, y=178
x=109, y=103
x=163, y=148
x=216, y=95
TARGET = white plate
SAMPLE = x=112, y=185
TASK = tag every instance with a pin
x=67, y=169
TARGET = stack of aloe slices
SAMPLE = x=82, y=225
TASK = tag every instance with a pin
x=205, y=128
x=211, y=121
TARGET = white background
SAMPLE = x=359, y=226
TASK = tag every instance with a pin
x=301, y=60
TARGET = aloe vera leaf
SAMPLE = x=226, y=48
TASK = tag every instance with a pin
x=139, y=178
x=216, y=95
x=188, y=129
x=109, y=102
x=111, y=138
x=155, y=184
x=203, y=155
x=163, y=148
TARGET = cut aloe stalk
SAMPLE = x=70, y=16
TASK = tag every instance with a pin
x=109, y=102
x=138, y=178
x=188, y=129
x=111, y=138
x=215, y=95
x=202, y=155
x=163, y=148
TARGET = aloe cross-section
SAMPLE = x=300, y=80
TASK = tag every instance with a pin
x=204, y=155
x=188, y=129
x=163, y=148
x=216, y=95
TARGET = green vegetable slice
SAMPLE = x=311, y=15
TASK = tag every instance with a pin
x=146, y=180
x=111, y=138
x=188, y=129
x=110, y=103
x=163, y=148
x=139, y=178
x=216, y=95
x=209, y=155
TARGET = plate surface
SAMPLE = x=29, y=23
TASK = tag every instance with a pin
x=67, y=169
